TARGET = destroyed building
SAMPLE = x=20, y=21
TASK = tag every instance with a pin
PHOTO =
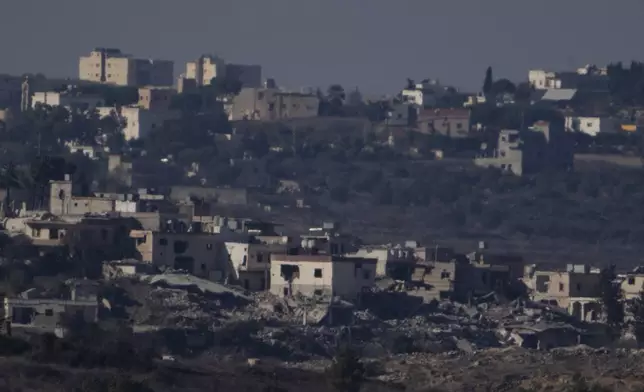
x=577, y=289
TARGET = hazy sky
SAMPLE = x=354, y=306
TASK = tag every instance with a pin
x=373, y=44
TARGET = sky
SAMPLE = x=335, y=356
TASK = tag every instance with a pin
x=371, y=44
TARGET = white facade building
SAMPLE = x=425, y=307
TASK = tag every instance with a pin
x=66, y=99
x=591, y=125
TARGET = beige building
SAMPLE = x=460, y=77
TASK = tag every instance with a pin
x=66, y=99
x=137, y=122
x=111, y=66
x=251, y=263
x=321, y=275
x=205, y=68
x=199, y=254
x=268, y=104
x=447, y=122
x=395, y=262
x=156, y=98
x=577, y=289
x=633, y=285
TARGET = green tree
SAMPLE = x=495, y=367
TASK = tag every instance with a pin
x=346, y=373
x=487, y=83
x=612, y=296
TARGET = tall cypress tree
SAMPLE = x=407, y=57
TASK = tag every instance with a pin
x=487, y=84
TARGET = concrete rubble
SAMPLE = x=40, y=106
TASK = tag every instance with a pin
x=299, y=328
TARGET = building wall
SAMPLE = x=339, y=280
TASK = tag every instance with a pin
x=204, y=69
x=413, y=97
x=591, y=125
x=47, y=312
x=562, y=286
x=271, y=104
x=448, y=122
x=200, y=254
x=68, y=101
x=113, y=67
x=89, y=205
x=352, y=278
x=306, y=282
x=152, y=98
x=632, y=286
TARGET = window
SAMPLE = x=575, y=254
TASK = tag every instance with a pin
x=366, y=274
x=578, y=286
x=444, y=275
x=459, y=126
x=589, y=124
x=209, y=246
x=260, y=258
x=503, y=166
x=510, y=167
x=317, y=292
x=163, y=242
x=317, y=273
x=561, y=287
x=203, y=267
x=631, y=280
x=49, y=312
x=260, y=96
x=244, y=259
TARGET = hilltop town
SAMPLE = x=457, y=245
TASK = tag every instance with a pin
x=218, y=230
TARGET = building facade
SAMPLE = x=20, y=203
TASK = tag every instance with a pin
x=267, y=104
x=156, y=98
x=66, y=99
x=592, y=126
x=205, y=68
x=447, y=122
x=321, y=275
x=111, y=66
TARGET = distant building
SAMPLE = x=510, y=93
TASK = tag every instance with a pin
x=395, y=262
x=205, y=68
x=321, y=275
x=592, y=126
x=199, y=254
x=578, y=289
x=69, y=99
x=251, y=262
x=156, y=98
x=111, y=66
x=137, y=122
x=447, y=122
x=426, y=94
x=586, y=78
x=267, y=104
x=531, y=150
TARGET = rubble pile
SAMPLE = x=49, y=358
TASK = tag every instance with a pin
x=305, y=328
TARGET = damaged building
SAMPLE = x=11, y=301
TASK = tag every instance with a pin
x=321, y=275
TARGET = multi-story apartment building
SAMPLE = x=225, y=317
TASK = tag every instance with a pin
x=207, y=67
x=70, y=100
x=111, y=66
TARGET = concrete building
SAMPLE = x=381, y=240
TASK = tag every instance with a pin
x=10, y=91
x=395, y=262
x=49, y=315
x=205, y=68
x=321, y=275
x=137, y=122
x=251, y=262
x=577, y=289
x=199, y=254
x=111, y=66
x=268, y=104
x=633, y=284
x=67, y=99
x=156, y=98
x=460, y=279
x=586, y=78
x=425, y=94
x=592, y=126
x=531, y=150
x=447, y=122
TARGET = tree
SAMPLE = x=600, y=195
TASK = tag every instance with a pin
x=502, y=86
x=611, y=295
x=346, y=373
x=487, y=83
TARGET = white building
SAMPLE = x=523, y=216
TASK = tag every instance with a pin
x=396, y=262
x=591, y=125
x=111, y=66
x=321, y=275
x=67, y=99
x=425, y=94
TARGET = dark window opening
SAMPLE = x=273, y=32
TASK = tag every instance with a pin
x=317, y=273
x=163, y=242
x=180, y=247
